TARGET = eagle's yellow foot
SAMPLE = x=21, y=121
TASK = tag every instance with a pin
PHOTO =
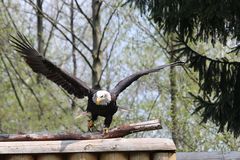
x=90, y=125
x=105, y=130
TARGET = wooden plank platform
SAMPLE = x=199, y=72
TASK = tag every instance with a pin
x=99, y=149
x=99, y=145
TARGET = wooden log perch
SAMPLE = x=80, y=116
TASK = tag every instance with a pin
x=104, y=146
x=117, y=132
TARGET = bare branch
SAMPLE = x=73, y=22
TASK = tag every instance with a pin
x=10, y=16
x=24, y=83
x=79, y=51
x=153, y=105
x=104, y=30
x=150, y=34
x=51, y=31
x=86, y=17
x=54, y=23
x=120, y=131
x=110, y=54
x=57, y=23
x=48, y=18
x=55, y=99
x=12, y=84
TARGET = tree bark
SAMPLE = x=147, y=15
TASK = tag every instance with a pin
x=40, y=41
x=74, y=61
x=40, y=26
x=39, y=32
x=173, y=93
x=97, y=54
x=120, y=131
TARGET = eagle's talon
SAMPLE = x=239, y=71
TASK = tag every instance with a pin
x=105, y=130
x=90, y=129
x=90, y=125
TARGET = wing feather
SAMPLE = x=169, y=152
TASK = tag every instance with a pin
x=41, y=65
x=123, y=84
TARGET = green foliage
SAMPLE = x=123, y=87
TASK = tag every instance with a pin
x=195, y=19
x=220, y=85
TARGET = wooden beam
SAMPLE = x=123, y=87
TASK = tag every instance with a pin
x=139, y=156
x=114, y=156
x=48, y=157
x=117, y=132
x=99, y=145
x=164, y=156
x=17, y=157
x=83, y=156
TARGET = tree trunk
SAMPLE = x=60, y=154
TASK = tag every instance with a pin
x=73, y=39
x=73, y=105
x=173, y=93
x=96, y=51
x=39, y=40
x=40, y=26
x=39, y=32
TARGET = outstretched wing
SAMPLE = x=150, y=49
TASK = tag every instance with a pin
x=123, y=84
x=41, y=65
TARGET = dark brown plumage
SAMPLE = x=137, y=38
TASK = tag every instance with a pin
x=100, y=103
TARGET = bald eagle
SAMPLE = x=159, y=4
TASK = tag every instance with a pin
x=100, y=102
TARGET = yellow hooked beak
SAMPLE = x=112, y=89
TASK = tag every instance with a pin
x=98, y=101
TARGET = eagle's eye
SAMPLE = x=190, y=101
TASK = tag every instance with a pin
x=101, y=96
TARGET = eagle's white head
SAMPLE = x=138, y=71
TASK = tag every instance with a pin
x=101, y=97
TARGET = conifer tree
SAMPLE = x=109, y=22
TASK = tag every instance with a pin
x=210, y=21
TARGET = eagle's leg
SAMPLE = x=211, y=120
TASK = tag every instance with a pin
x=107, y=122
x=91, y=122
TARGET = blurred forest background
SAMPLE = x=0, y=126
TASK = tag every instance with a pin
x=71, y=33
